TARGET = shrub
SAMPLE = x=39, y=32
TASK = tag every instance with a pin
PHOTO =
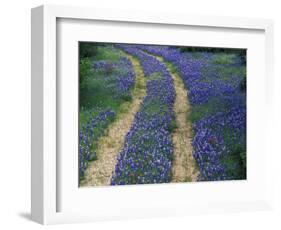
x=84, y=71
x=243, y=85
x=87, y=49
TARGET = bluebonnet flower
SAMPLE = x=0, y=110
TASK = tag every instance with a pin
x=219, y=134
x=147, y=153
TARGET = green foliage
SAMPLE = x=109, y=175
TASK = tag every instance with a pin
x=97, y=85
x=221, y=68
x=93, y=156
x=107, y=52
x=224, y=71
x=98, y=51
x=153, y=107
x=87, y=49
x=127, y=97
x=240, y=52
x=225, y=74
x=243, y=159
x=223, y=59
x=190, y=49
x=243, y=85
x=173, y=125
x=171, y=67
x=196, y=55
x=188, y=179
x=236, y=157
x=84, y=71
x=207, y=109
x=85, y=68
x=154, y=76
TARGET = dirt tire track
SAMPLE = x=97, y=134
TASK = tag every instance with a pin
x=184, y=167
x=100, y=171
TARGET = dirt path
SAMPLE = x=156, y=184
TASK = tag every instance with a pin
x=184, y=167
x=99, y=172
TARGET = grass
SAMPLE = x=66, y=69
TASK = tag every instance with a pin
x=107, y=52
x=196, y=55
x=223, y=73
x=207, y=109
x=234, y=160
x=111, y=142
x=98, y=90
x=223, y=59
x=222, y=68
x=173, y=125
x=154, y=76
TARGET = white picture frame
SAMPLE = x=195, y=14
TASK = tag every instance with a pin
x=45, y=182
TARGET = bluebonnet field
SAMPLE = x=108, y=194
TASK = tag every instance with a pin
x=216, y=90
x=215, y=80
x=147, y=154
x=107, y=83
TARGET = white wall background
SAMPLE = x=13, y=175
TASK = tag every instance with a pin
x=15, y=113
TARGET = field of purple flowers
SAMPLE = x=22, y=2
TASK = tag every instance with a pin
x=147, y=153
x=216, y=89
x=106, y=85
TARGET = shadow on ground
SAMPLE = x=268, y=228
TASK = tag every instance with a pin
x=25, y=215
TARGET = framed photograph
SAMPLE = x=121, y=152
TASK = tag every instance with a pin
x=141, y=114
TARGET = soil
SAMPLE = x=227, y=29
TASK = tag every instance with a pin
x=184, y=167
